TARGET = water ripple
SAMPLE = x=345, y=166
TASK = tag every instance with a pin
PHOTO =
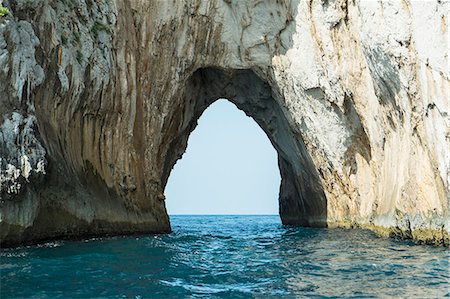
x=228, y=257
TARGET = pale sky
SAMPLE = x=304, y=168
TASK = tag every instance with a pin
x=230, y=167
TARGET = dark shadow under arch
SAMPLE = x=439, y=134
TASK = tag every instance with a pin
x=301, y=198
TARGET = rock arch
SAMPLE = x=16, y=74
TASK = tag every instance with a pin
x=97, y=103
x=301, y=199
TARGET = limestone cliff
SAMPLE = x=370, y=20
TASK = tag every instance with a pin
x=98, y=98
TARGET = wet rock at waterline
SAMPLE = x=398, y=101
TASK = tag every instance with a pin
x=98, y=100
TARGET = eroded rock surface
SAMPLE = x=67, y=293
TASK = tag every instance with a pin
x=98, y=99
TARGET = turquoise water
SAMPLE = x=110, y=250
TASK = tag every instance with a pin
x=228, y=257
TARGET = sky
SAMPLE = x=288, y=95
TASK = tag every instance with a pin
x=230, y=167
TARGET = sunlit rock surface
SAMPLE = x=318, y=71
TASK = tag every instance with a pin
x=98, y=99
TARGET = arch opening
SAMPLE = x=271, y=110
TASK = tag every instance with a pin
x=301, y=197
x=229, y=168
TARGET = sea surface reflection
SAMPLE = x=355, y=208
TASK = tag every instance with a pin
x=228, y=257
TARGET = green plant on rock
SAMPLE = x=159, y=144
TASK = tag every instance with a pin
x=97, y=27
x=3, y=11
x=80, y=57
x=64, y=39
x=76, y=36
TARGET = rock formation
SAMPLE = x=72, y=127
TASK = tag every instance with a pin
x=98, y=98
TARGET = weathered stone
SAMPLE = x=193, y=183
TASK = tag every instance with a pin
x=98, y=99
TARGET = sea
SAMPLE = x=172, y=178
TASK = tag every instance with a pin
x=220, y=256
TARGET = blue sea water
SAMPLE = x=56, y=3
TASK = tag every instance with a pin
x=228, y=257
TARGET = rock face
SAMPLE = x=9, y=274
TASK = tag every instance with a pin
x=98, y=99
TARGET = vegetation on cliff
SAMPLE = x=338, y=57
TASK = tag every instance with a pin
x=3, y=11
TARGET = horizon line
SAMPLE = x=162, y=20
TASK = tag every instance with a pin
x=224, y=214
